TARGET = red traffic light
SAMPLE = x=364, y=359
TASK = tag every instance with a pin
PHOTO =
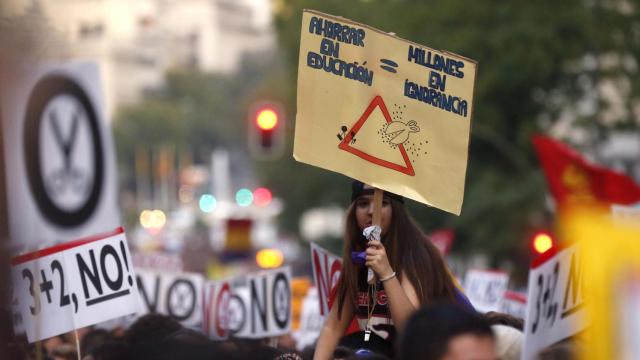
x=542, y=242
x=267, y=119
x=266, y=130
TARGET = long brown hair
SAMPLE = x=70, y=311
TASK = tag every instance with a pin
x=409, y=252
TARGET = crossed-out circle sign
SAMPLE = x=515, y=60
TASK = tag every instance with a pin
x=237, y=314
x=222, y=311
x=281, y=298
x=181, y=299
x=60, y=119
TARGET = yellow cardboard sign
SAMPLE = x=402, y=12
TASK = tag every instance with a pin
x=611, y=256
x=383, y=110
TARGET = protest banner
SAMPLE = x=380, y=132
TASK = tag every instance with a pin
x=611, y=262
x=157, y=261
x=178, y=295
x=16, y=316
x=442, y=239
x=238, y=312
x=383, y=110
x=626, y=215
x=514, y=303
x=61, y=177
x=217, y=295
x=485, y=288
x=326, y=272
x=261, y=308
x=74, y=284
x=44, y=317
x=310, y=320
x=555, y=306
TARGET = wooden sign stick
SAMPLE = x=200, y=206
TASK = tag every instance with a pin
x=75, y=331
x=377, y=206
x=377, y=215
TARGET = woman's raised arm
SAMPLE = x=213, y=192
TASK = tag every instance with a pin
x=332, y=330
x=403, y=300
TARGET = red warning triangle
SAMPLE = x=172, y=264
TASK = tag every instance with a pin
x=345, y=143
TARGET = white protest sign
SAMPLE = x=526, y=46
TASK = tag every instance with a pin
x=238, y=312
x=514, y=303
x=217, y=296
x=485, y=288
x=61, y=175
x=74, y=284
x=627, y=215
x=555, y=307
x=326, y=272
x=178, y=295
x=157, y=261
x=105, y=272
x=16, y=316
x=310, y=320
x=627, y=323
x=48, y=315
x=262, y=308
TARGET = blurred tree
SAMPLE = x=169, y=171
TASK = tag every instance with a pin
x=192, y=112
x=150, y=127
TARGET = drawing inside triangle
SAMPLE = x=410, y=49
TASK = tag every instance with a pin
x=376, y=138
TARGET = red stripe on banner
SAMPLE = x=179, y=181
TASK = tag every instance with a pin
x=62, y=247
x=545, y=256
x=512, y=295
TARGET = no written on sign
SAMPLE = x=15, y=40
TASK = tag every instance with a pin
x=389, y=112
x=74, y=284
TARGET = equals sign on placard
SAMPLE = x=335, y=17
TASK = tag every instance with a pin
x=389, y=65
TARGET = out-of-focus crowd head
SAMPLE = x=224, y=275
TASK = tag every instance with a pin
x=446, y=332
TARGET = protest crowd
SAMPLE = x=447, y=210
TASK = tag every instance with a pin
x=436, y=332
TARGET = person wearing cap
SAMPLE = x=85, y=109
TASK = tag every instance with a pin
x=410, y=272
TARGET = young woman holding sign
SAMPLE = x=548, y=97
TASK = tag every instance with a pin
x=410, y=272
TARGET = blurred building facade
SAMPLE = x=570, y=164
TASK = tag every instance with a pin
x=136, y=42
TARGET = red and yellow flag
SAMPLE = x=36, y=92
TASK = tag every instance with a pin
x=574, y=181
